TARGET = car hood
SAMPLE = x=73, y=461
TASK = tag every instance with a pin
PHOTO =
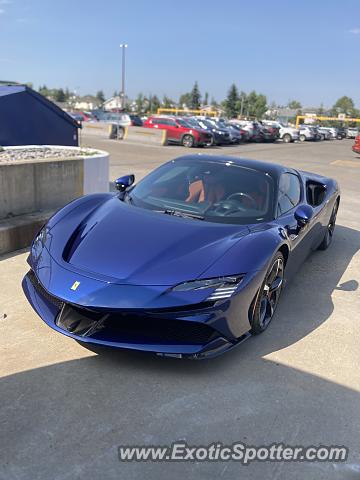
x=132, y=245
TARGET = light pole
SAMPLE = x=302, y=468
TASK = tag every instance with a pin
x=123, y=46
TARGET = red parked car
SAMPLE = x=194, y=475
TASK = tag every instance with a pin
x=356, y=146
x=180, y=132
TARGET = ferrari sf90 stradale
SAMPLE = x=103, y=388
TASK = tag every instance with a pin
x=188, y=262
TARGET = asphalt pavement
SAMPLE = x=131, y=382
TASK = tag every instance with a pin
x=65, y=410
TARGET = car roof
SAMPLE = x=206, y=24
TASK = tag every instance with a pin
x=274, y=169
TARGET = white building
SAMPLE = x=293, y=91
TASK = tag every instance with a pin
x=87, y=103
x=111, y=103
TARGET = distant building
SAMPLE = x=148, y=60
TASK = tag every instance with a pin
x=112, y=103
x=88, y=102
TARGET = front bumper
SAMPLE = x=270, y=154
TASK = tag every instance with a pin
x=195, y=332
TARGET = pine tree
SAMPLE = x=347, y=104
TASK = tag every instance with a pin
x=231, y=102
x=195, y=97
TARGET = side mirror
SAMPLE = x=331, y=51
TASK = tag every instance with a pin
x=122, y=183
x=303, y=215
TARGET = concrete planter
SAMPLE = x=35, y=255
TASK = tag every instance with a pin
x=33, y=188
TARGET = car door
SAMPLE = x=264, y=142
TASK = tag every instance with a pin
x=291, y=195
x=174, y=130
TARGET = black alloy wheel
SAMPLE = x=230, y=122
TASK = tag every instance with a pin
x=268, y=296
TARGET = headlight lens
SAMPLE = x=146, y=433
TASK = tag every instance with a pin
x=224, y=286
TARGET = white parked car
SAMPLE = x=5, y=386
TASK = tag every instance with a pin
x=352, y=132
x=287, y=134
x=308, y=132
x=324, y=132
x=332, y=131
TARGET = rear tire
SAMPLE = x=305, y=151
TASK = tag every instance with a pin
x=268, y=296
x=302, y=138
x=328, y=237
x=188, y=141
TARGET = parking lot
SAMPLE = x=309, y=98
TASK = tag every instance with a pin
x=65, y=410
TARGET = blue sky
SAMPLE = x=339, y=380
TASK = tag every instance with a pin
x=306, y=50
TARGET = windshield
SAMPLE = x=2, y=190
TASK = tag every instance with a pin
x=212, y=191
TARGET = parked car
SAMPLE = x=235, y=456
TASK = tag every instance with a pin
x=268, y=133
x=308, y=132
x=325, y=134
x=332, y=131
x=356, y=146
x=286, y=133
x=235, y=134
x=341, y=133
x=221, y=135
x=249, y=127
x=179, y=131
x=245, y=136
x=206, y=251
x=136, y=121
x=352, y=132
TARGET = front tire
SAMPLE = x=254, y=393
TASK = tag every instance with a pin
x=188, y=141
x=268, y=296
x=302, y=138
x=287, y=138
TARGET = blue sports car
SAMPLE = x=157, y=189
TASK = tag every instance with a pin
x=186, y=263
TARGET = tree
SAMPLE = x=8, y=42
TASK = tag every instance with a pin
x=153, y=103
x=59, y=95
x=320, y=111
x=344, y=105
x=44, y=91
x=140, y=103
x=214, y=103
x=255, y=105
x=206, y=98
x=185, y=100
x=168, y=102
x=241, y=104
x=231, y=102
x=100, y=96
x=195, y=97
x=294, y=105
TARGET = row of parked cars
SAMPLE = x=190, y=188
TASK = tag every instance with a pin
x=206, y=131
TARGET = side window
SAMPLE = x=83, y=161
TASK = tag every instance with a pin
x=289, y=192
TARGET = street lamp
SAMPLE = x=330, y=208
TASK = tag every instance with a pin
x=123, y=46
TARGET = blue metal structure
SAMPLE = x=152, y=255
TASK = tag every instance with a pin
x=105, y=270
x=28, y=118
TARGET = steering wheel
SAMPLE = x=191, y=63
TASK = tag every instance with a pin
x=240, y=196
x=226, y=207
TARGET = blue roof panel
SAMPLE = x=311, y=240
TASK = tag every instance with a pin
x=10, y=89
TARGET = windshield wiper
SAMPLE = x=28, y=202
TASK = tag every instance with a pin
x=177, y=213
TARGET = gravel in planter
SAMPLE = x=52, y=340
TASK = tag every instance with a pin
x=9, y=155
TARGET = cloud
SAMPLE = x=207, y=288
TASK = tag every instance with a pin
x=355, y=31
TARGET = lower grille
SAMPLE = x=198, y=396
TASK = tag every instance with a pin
x=41, y=290
x=131, y=328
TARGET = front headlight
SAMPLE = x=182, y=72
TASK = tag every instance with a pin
x=224, y=286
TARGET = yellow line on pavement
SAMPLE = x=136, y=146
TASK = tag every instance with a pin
x=346, y=163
